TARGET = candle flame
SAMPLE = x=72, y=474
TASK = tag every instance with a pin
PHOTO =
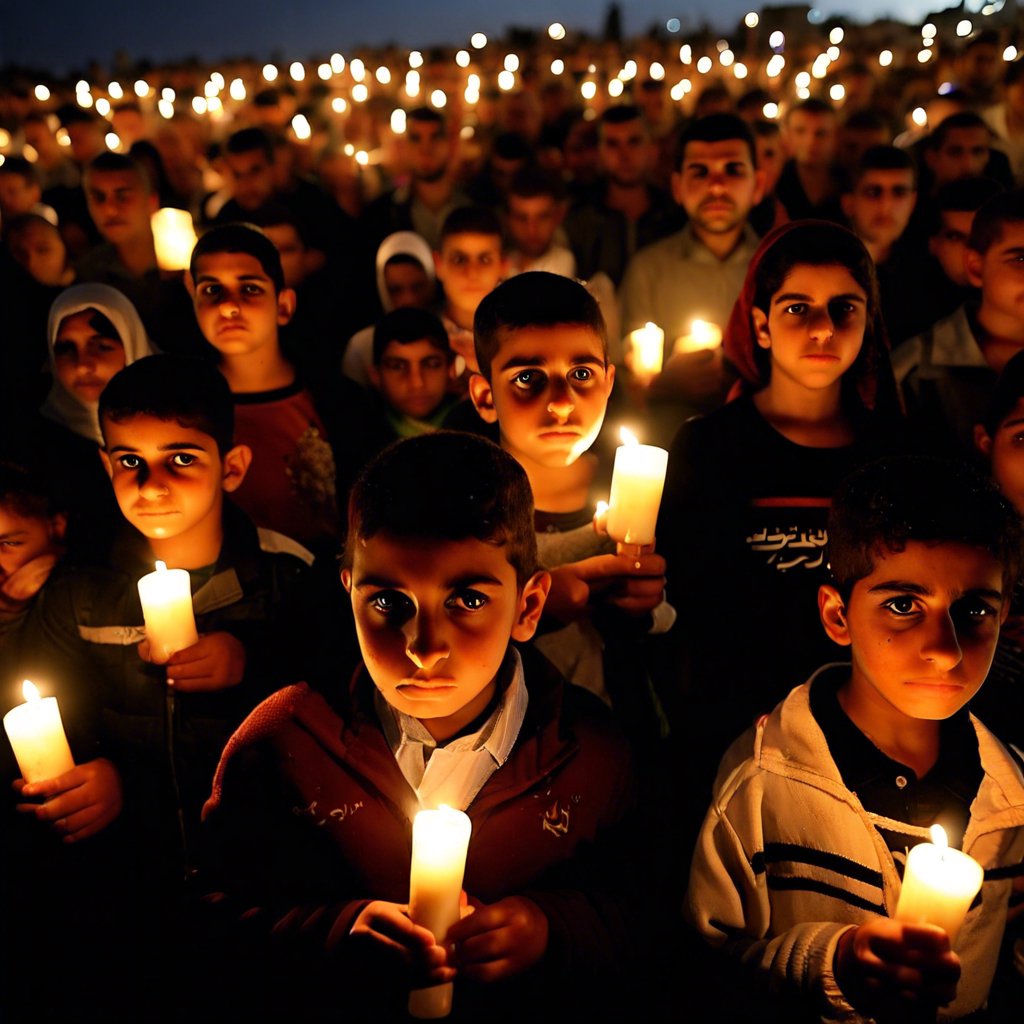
x=161, y=566
x=29, y=690
x=601, y=508
x=628, y=437
x=938, y=834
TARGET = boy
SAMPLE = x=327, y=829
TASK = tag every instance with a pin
x=441, y=567
x=798, y=865
x=412, y=370
x=545, y=381
x=947, y=372
x=809, y=185
x=304, y=442
x=536, y=207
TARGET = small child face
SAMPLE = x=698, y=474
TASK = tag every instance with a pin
x=434, y=621
x=548, y=391
x=469, y=266
x=84, y=359
x=922, y=628
x=236, y=306
x=408, y=285
x=24, y=538
x=167, y=478
x=1006, y=452
x=39, y=248
x=413, y=377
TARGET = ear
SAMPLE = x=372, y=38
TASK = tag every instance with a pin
x=531, y=604
x=973, y=261
x=611, y=377
x=58, y=526
x=483, y=397
x=190, y=284
x=285, y=305
x=832, y=610
x=764, y=338
x=105, y=459
x=235, y=465
x=677, y=187
x=760, y=180
x=982, y=441
x=346, y=579
x=846, y=202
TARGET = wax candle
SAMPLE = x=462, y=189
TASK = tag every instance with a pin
x=37, y=737
x=166, y=597
x=638, y=479
x=646, y=350
x=174, y=238
x=939, y=884
x=440, y=840
x=703, y=335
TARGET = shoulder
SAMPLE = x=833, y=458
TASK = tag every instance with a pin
x=673, y=248
x=273, y=543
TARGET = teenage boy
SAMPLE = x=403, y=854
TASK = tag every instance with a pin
x=545, y=380
x=306, y=440
x=797, y=871
x=441, y=565
x=535, y=208
x=809, y=185
x=948, y=371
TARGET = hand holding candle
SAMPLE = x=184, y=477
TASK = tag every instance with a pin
x=440, y=841
x=174, y=238
x=166, y=597
x=37, y=736
x=637, y=482
x=703, y=336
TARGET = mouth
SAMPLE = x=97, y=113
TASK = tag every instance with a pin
x=821, y=357
x=936, y=686
x=426, y=689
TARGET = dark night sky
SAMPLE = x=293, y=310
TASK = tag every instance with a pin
x=61, y=35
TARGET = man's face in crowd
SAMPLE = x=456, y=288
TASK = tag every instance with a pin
x=880, y=205
x=625, y=153
x=252, y=178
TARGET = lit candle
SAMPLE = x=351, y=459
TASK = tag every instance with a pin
x=37, y=737
x=703, y=335
x=166, y=597
x=637, y=482
x=647, y=350
x=440, y=840
x=174, y=238
x=939, y=885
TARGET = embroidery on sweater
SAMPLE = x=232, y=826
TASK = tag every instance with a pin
x=320, y=819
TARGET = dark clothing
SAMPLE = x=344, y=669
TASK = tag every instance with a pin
x=790, y=192
x=910, y=299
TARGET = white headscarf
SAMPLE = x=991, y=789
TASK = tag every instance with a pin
x=61, y=405
x=402, y=243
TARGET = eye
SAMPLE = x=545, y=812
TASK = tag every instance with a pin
x=973, y=610
x=251, y=289
x=796, y=308
x=528, y=380
x=469, y=600
x=130, y=461
x=391, y=604
x=902, y=606
x=211, y=291
x=183, y=459
x=581, y=375
x=63, y=350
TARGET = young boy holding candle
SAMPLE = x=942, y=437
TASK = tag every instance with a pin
x=798, y=866
x=445, y=710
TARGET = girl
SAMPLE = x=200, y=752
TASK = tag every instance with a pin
x=743, y=520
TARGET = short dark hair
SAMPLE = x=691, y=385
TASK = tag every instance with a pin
x=276, y=214
x=812, y=106
x=406, y=326
x=530, y=182
x=1002, y=209
x=621, y=113
x=189, y=391
x=964, y=195
x=426, y=115
x=963, y=119
x=18, y=165
x=119, y=163
x=240, y=238
x=533, y=299
x=1008, y=389
x=26, y=492
x=250, y=140
x=471, y=220
x=865, y=120
x=716, y=128
x=886, y=504
x=883, y=158
x=24, y=221
x=486, y=496
x=511, y=146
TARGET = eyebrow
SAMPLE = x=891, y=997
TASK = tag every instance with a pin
x=797, y=296
x=174, y=446
x=906, y=587
x=1015, y=422
x=515, y=362
x=241, y=277
x=12, y=534
x=1015, y=250
x=470, y=579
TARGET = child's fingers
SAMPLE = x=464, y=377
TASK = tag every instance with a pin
x=485, y=973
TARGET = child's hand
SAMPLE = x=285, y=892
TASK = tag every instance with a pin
x=79, y=803
x=499, y=940
x=214, y=662
x=635, y=585
x=389, y=927
x=27, y=580
x=889, y=968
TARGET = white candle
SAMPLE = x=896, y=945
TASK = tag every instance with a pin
x=647, y=350
x=637, y=482
x=440, y=840
x=37, y=737
x=174, y=238
x=939, y=885
x=703, y=335
x=166, y=597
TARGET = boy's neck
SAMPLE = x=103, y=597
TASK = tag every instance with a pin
x=911, y=741
x=138, y=255
x=460, y=317
x=814, y=419
x=266, y=370
x=559, y=488
x=434, y=195
x=194, y=550
x=720, y=244
x=631, y=200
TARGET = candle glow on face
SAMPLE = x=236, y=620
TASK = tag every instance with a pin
x=37, y=736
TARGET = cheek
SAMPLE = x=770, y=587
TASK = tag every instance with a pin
x=111, y=363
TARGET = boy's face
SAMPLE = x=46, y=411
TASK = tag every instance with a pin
x=17, y=195
x=532, y=223
x=717, y=185
x=252, y=178
x=119, y=205
x=434, y=621
x=291, y=250
x=880, y=205
x=1006, y=452
x=812, y=138
x=413, y=377
x=84, y=359
x=428, y=150
x=24, y=538
x=235, y=303
x=469, y=266
x=40, y=250
x=922, y=628
x=168, y=479
x=626, y=153
x=949, y=244
x=1000, y=273
x=408, y=284
x=548, y=392
x=964, y=154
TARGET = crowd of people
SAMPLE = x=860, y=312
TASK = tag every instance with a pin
x=373, y=419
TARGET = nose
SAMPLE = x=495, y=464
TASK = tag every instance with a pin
x=822, y=328
x=560, y=404
x=415, y=378
x=229, y=308
x=940, y=646
x=425, y=644
x=151, y=485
